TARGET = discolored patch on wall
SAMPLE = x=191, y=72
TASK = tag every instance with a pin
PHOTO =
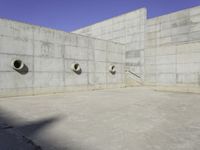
x=132, y=54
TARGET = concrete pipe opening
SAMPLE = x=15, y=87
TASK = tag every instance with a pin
x=76, y=67
x=112, y=69
x=17, y=64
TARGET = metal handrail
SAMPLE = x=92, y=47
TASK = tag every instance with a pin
x=134, y=74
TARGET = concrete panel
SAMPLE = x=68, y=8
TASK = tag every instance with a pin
x=150, y=69
x=91, y=66
x=193, y=36
x=114, y=79
x=91, y=79
x=44, y=34
x=195, y=27
x=100, y=78
x=114, y=57
x=152, y=28
x=150, y=78
x=100, y=67
x=16, y=81
x=48, y=49
x=73, y=79
x=12, y=45
x=167, y=59
x=150, y=52
x=16, y=29
x=195, y=18
x=114, y=47
x=91, y=43
x=150, y=60
x=188, y=78
x=132, y=54
x=100, y=45
x=164, y=41
x=180, y=30
x=169, y=68
x=82, y=41
x=188, y=58
x=188, y=68
x=42, y=64
x=195, y=11
x=73, y=40
x=166, y=50
x=46, y=79
x=100, y=55
x=166, y=79
x=76, y=53
x=188, y=48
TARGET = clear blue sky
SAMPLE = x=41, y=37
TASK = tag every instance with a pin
x=69, y=15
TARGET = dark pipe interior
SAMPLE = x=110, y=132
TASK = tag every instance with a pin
x=113, y=67
x=17, y=63
x=76, y=66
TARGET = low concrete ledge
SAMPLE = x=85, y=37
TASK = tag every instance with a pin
x=54, y=90
x=177, y=88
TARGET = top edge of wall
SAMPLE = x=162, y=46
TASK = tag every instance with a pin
x=173, y=13
x=130, y=12
x=56, y=30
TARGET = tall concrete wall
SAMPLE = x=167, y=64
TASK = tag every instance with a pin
x=126, y=29
x=163, y=52
x=172, y=50
x=171, y=44
x=48, y=55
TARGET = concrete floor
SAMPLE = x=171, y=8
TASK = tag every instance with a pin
x=119, y=119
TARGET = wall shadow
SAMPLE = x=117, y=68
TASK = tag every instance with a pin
x=24, y=70
x=78, y=72
x=18, y=136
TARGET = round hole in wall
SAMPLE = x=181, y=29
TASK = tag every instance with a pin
x=76, y=68
x=112, y=69
x=17, y=64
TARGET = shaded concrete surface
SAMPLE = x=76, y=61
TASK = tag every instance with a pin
x=118, y=119
x=14, y=135
x=11, y=139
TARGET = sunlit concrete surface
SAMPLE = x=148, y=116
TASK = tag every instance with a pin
x=118, y=119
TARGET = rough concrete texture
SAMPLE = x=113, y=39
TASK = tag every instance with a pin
x=127, y=29
x=165, y=50
x=10, y=139
x=120, y=119
x=172, y=50
x=48, y=55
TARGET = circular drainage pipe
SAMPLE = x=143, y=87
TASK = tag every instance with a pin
x=17, y=64
x=76, y=67
x=112, y=69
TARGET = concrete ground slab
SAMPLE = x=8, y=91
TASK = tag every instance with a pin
x=118, y=119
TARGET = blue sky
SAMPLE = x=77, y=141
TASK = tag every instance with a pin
x=69, y=15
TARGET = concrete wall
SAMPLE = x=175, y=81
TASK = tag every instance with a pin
x=48, y=54
x=163, y=52
x=172, y=50
x=126, y=29
x=171, y=44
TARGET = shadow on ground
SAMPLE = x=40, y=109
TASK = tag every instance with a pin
x=15, y=135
